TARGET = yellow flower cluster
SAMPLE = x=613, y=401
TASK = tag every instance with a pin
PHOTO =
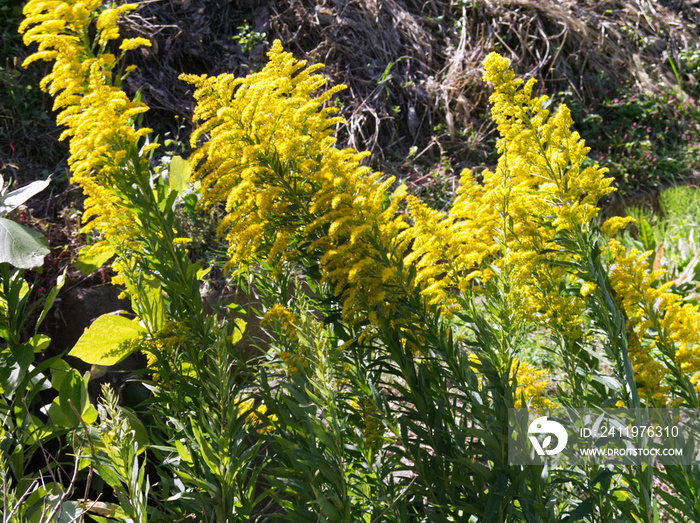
x=531, y=385
x=656, y=318
x=271, y=157
x=613, y=225
x=649, y=373
x=98, y=116
x=165, y=343
x=515, y=216
x=542, y=158
x=372, y=427
x=588, y=288
x=287, y=320
x=267, y=134
x=448, y=250
x=289, y=323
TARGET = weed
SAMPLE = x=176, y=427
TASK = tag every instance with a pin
x=645, y=141
x=435, y=184
x=675, y=230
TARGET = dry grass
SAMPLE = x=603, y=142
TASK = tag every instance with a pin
x=413, y=69
x=437, y=48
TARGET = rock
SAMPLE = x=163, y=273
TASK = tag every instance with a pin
x=78, y=307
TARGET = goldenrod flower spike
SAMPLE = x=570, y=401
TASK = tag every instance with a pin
x=97, y=115
x=531, y=386
x=513, y=217
x=271, y=158
x=664, y=329
x=548, y=188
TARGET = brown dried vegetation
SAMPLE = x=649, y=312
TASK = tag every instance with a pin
x=413, y=69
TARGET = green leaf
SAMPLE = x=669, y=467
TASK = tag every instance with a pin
x=201, y=273
x=68, y=386
x=681, y=510
x=582, y=510
x=72, y=389
x=109, y=510
x=60, y=370
x=183, y=452
x=70, y=511
x=88, y=262
x=206, y=450
x=400, y=191
x=37, y=343
x=50, y=298
x=646, y=234
x=107, y=341
x=240, y=329
x=180, y=172
x=109, y=467
x=14, y=199
x=166, y=206
x=138, y=428
x=87, y=411
x=151, y=303
x=14, y=365
x=21, y=247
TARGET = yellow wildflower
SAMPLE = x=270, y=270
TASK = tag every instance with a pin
x=649, y=374
x=107, y=22
x=668, y=327
x=588, y=288
x=97, y=115
x=515, y=216
x=611, y=226
x=541, y=192
x=287, y=320
x=372, y=426
x=289, y=323
x=531, y=385
x=271, y=158
x=173, y=335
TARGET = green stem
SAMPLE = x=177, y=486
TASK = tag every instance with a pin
x=166, y=238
